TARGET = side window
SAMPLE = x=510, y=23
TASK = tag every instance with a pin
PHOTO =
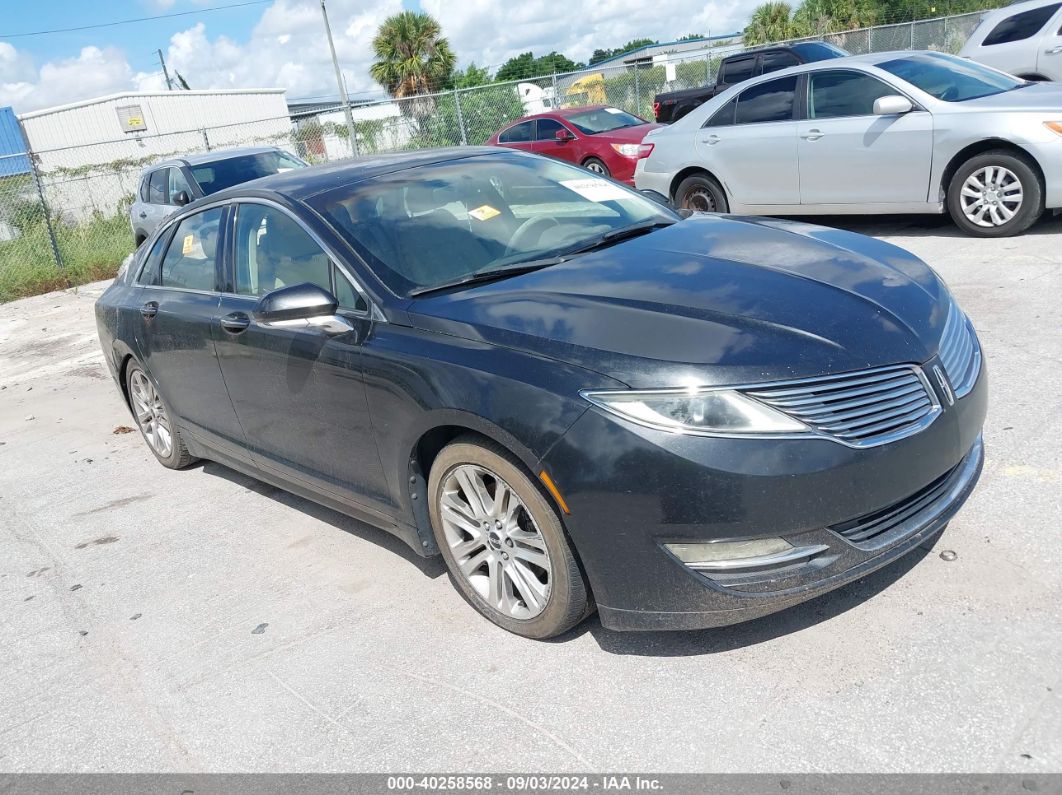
x=738, y=69
x=1021, y=26
x=189, y=261
x=837, y=94
x=177, y=184
x=769, y=101
x=521, y=133
x=144, y=188
x=348, y=297
x=157, y=186
x=273, y=251
x=723, y=117
x=547, y=130
x=773, y=61
x=150, y=273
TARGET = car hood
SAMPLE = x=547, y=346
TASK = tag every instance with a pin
x=711, y=300
x=1036, y=97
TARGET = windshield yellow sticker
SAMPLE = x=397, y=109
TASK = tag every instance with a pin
x=189, y=242
x=484, y=213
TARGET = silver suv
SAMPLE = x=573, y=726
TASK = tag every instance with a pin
x=1024, y=38
x=166, y=186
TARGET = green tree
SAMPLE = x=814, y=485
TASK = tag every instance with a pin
x=412, y=57
x=526, y=65
x=469, y=77
x=772, y=21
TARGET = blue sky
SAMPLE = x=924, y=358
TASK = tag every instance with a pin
x=280, y=43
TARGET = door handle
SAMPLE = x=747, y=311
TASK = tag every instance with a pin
x=143, y=214
x=711, y=140
x=235, y=322
x=1054, y=50
x=812, y=135
x=149, y=310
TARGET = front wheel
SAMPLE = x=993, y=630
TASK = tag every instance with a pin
x=995, y=194
x=503, y=542
x=701, y=193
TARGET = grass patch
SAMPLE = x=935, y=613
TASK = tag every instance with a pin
x=89, y=251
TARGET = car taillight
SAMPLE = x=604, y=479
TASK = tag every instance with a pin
x=644, y=150
x=656, y=111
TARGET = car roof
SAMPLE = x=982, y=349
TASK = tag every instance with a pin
x=564, y=113
x=302, y=183
x=211, y=157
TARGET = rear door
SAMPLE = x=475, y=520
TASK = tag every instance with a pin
x=1014, y=44
x=179, y=302
x=298, y=392
x=751, y=143
x=546, y=142
x=1049, y=56
x=850, y=156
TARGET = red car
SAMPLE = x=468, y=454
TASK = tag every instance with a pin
x=604, y=140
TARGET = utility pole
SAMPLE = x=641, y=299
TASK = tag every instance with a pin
x=165, y=71
x=339, y=82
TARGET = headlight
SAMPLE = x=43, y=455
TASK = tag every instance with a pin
x=697, y=410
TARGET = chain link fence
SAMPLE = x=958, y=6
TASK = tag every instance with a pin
x=64, y=213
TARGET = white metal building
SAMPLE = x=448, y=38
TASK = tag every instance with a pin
x=90, y=153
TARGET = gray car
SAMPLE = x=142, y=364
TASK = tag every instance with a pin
x=900, y=132
x=165, y=186
x=1024, y=38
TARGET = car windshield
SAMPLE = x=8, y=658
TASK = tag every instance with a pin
x=818, y=51
x=949, y=78
x=230, y=171
x=592, y=122
x=436, y=224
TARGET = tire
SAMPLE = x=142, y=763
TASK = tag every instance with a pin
x=498, y=564
x=1003, y=170
x=597, y=166
x=155, y=419
x=701, y=193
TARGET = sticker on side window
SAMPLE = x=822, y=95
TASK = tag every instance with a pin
x=484, y=213
x=189, y=243
x=596, y=190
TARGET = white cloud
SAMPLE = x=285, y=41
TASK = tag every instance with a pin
x=287, y=47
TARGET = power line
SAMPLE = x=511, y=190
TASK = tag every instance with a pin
x=132, y=21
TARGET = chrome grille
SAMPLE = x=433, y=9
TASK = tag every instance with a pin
x=861, y=409
x=959, y=352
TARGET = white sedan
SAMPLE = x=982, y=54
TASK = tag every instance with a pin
x=901, y=132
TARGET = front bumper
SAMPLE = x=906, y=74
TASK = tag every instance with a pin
x=632, y=490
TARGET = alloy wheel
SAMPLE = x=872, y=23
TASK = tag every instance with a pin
x=151, y=414
x=596, y=167
x=496, y=545
x=991, y=196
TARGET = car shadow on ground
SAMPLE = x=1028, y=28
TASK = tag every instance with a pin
x=917, y=225
x=430, y=567
x=760, y=630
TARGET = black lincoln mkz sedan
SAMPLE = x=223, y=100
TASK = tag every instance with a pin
x=578, y=397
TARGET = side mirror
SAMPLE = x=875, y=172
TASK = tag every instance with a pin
x=301, y=306
x=182, y=198
x=893, y=105
x=563, y=135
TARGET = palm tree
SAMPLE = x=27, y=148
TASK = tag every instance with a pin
x=412, y=58
x=770, y=22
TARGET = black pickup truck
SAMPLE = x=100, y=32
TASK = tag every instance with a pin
x=673, y=105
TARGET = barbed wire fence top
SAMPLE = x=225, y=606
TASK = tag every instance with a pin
x=64, y=211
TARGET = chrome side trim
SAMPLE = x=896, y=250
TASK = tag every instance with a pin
x=760, y=561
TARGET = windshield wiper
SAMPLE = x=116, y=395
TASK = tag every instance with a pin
x=623, y=233
x=480, y=277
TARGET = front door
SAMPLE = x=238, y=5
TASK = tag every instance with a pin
x=1049, y=57
x=850, y=156
x=178, y=304
x=546, y=142
x=298, y=391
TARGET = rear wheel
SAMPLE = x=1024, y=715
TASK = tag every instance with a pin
x=503, y=542
x=597, y=166
x=155, y=420
x=701, y=193
x=995, y=194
